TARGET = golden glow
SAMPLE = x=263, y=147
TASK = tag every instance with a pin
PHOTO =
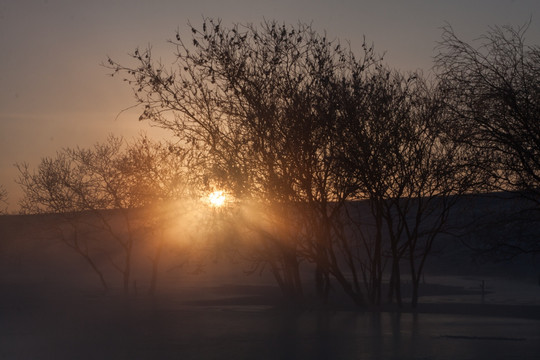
x=217, y=198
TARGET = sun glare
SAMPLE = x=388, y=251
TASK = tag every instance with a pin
x=217, y=198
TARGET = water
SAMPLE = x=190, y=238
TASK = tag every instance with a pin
x=237, y=334
x=51, y=324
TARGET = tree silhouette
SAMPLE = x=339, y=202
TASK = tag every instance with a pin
x=295, y=124
x=494, y=98
x=260, y=103
x=403, y=164
x=493, y=94
x=162, y=174
x=113, y=187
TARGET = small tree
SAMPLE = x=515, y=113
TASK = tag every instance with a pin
x=91, y=187
x=405, y=167
x=163, y=174
x=46, y=190
x=429, y=180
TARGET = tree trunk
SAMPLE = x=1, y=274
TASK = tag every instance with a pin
x=292, y=276
x=414, y=300
x=394, y=290
x=99, y=273
x=155, y=268
x=127, y=270
x=376, y=266
x=357, y=297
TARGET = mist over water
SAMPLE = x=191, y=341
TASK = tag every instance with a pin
x=88, y=327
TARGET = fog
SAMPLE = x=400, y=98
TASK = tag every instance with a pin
x=54, y=307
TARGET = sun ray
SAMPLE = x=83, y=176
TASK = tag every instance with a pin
x=217, y=198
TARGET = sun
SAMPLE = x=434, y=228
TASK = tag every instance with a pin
x=217, y=198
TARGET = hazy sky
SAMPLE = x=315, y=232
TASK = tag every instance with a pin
x=54, y=93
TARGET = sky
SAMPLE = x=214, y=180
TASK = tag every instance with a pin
x=54, y=93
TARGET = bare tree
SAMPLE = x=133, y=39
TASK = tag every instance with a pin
x=46, y=191
x=429, y=181
x=493, y=92
x=405, y=168
x=260, y=103
x=376, y=120
x=90, y=187
x=163, y=174
x=494, y=95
